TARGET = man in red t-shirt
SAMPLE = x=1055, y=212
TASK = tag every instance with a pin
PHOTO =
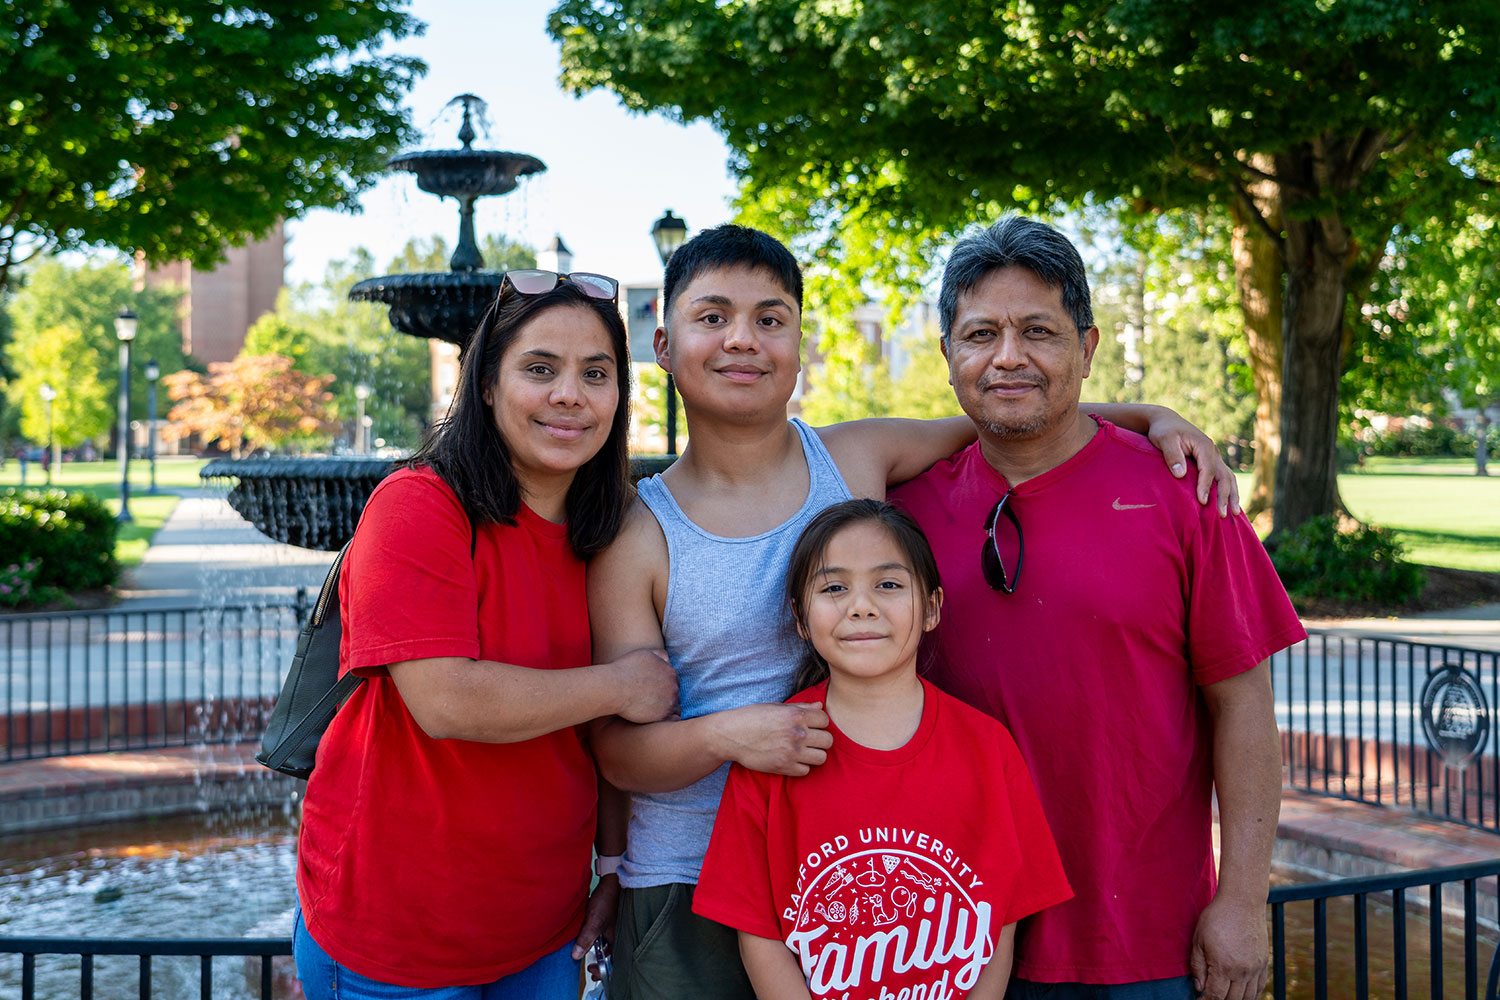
x=1128, y=659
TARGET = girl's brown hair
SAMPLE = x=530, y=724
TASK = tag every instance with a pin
x=807, y=559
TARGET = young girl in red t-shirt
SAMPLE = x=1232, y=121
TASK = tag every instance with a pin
x=899, y=867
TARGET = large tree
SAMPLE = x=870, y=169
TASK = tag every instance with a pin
x=83, y=399
x=176, y=129
x=86, y=296
x=1432, y=330
x=255, y=401
x=880, y=127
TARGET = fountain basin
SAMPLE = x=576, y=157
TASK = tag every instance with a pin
x=467, y=172
x=445, y=306
x=315, y=503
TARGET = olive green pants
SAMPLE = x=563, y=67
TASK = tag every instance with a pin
x=665, y=951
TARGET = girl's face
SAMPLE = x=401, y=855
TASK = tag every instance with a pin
x=864, y=610
x=555, y=394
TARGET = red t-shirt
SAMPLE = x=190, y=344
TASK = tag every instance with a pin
x=886, y=870
x=1131, y=596
x=436, y=863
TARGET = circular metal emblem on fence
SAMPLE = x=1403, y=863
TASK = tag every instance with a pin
x=1455, y=715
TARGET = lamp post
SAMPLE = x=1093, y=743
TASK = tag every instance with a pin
x=361, y=393
x=153, y=372
x=125, y=331
x=49, y=394
x=668, y=234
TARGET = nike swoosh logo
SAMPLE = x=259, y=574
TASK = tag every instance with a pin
x=1131, y=506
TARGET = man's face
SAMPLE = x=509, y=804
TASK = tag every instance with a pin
x=734, y=342
x=1014, y=356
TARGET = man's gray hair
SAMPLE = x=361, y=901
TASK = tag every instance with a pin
x=1016, y=241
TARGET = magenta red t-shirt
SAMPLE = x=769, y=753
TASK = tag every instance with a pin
x=1132, y=595
x=886, y=870
x=435, y=863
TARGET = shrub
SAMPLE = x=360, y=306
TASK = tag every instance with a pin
x=18, y=583
x=1321, y=559
x=1414, y=440
x=71, y=536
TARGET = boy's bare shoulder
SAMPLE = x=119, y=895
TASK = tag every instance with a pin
x=640, y=545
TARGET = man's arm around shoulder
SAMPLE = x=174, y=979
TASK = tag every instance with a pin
x=882, y=451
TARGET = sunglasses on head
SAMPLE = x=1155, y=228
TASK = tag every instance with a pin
x=530, y=281
x=990, y=560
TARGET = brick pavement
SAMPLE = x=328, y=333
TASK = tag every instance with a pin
x=57, y=792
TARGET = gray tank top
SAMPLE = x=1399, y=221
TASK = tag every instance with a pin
x=729, y=633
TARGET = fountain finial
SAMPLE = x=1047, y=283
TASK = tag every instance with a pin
x=466, y=133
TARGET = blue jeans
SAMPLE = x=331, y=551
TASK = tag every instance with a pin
x=1180, y=988
x=551, y=977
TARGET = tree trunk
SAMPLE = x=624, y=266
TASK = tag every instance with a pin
x=1317, y=252
x=1482, y=445
x=1258, y=274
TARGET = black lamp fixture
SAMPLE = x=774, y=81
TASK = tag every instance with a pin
x=668, y=234
x=125, y=324
x=152, y=372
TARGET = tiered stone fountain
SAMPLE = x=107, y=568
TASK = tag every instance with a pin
x=316, y=502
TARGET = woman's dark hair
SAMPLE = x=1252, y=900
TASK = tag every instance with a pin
x=807, y=559
x=466, y=449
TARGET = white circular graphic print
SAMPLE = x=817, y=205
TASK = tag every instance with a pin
x=875, y=918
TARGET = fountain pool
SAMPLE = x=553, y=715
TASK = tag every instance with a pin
x=214, y=875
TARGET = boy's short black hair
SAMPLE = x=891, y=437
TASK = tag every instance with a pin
x=730, y=245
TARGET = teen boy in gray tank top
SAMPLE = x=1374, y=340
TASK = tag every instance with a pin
x=723, y=660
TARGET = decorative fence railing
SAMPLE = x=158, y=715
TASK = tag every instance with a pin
x=1319, y=948
x=1391, y=723
x=1339, y=955
x=129, y=680
x=265, y=978
x=1366, y=718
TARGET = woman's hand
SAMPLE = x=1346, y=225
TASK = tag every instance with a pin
x=599, y=917
x=1177, y=439
x=647, y=686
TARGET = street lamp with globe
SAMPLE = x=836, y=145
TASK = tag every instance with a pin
x=125, y=324
x=361, y=440
x=49, y=394
x=668, y=234
x=153, y=372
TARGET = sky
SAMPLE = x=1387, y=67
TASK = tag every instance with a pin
x=610, y=173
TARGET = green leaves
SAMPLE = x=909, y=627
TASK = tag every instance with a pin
x=178, y=129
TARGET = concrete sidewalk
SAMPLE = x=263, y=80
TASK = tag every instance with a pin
x=207, y=553
x=1476, y=627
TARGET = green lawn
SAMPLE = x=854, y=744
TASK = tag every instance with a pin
x=103, y=479
x=1443, y=513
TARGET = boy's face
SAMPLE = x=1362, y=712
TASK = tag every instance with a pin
x=735, y=342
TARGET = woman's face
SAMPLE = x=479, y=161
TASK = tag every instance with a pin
x=555, y=394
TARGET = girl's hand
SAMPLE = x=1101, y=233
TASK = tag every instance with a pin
x=1177, y=439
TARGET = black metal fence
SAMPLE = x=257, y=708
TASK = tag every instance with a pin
x=1391, y=723
x=83, y=682
x=1393, y=939
x=258, y=978
x=1319, y=949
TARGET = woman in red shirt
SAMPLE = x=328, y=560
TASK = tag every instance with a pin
x=449, y=824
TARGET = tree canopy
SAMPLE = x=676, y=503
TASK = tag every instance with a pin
x=178, y=129
x=255, y=401
x=78, y=302
x=879, y=128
